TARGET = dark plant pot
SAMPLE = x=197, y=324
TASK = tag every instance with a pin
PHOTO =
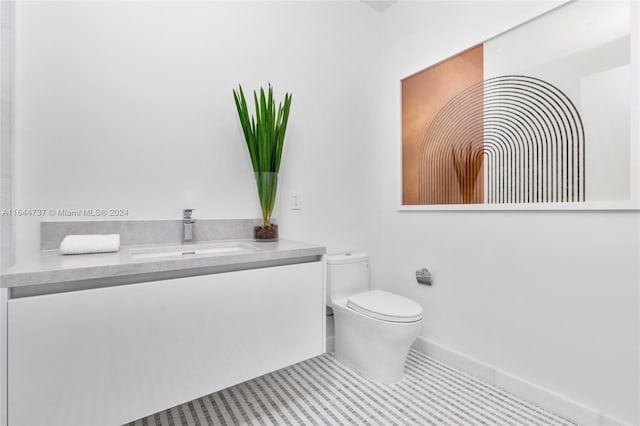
x=265, y=234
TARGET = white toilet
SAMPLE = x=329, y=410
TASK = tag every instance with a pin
x=374, y=329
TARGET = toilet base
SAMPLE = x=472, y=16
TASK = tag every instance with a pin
x=374, y=348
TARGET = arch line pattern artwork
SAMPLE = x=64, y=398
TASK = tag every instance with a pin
x=507, y=139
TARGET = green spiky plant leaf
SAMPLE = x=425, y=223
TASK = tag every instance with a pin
x=264, y=134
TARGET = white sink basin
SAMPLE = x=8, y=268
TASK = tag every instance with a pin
x=218, y=249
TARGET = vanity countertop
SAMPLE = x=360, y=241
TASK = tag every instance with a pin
x=50, y=267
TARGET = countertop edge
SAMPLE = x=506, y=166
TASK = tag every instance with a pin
x=10, y=279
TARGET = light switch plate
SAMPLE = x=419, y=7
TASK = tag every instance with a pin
x=296, y=201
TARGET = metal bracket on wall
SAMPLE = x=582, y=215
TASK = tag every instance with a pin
x=423, y=276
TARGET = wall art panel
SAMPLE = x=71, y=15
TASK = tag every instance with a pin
x=537, y=117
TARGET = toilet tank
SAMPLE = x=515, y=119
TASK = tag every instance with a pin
x=347, y=274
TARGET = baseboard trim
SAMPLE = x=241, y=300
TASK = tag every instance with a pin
x=531, y=392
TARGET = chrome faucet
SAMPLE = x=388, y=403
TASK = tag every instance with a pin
x=187, y=225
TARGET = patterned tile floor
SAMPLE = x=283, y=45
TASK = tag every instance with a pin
x=321, y=391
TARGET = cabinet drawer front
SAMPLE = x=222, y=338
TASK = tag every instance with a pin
x=111, y=355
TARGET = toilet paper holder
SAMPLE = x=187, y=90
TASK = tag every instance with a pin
x=423, y=276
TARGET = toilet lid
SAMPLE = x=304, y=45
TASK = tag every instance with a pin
x=385, y=306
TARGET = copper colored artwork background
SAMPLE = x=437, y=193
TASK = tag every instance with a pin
x=423, y=95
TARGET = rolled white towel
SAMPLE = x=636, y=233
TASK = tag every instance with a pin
x=83, y=244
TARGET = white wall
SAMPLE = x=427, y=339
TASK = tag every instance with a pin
x=6, y=181
x=551, y=297
x=129, y=105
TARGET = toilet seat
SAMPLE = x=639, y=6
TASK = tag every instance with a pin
x=385, y=306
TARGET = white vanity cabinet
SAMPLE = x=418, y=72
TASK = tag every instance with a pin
x=111, y=355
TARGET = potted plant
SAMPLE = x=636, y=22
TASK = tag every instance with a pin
x=264, y=134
